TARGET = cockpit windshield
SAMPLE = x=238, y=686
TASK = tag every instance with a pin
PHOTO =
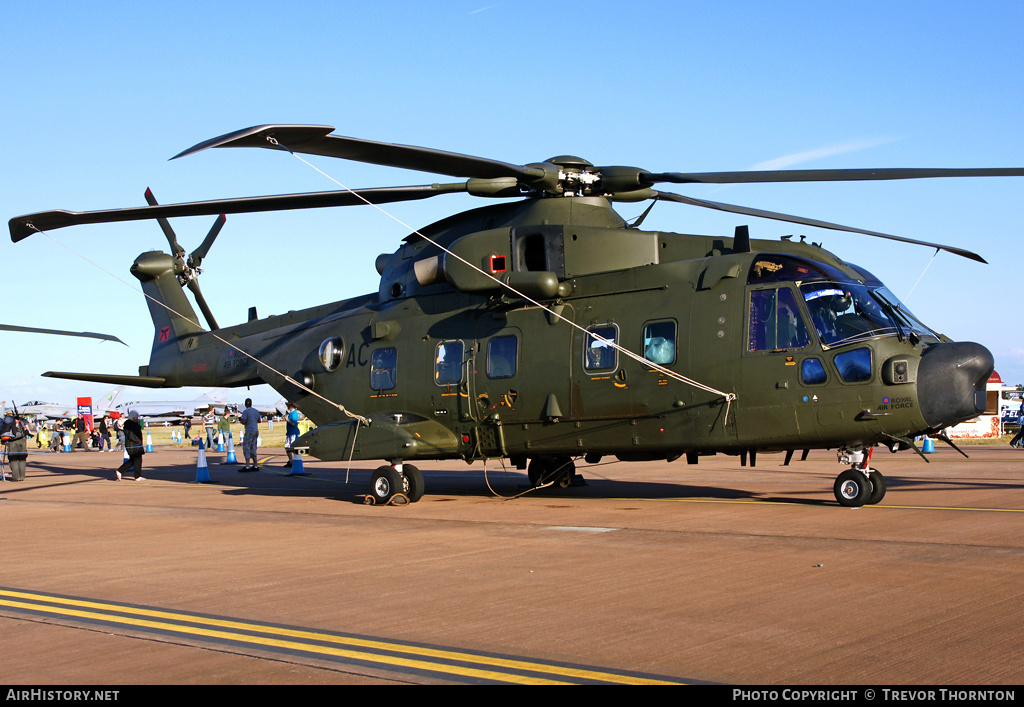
x=904, y=318
x=843, y=312
x=843, y=309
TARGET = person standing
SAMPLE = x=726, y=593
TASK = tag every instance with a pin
x=134, y=446
x=119, y=431
x=250, y=420
x=14, y=435
x=1018, y=441
x=209, y=424
x=105, y=435
x=82, y=433
x=223, y=428
x=291, y=432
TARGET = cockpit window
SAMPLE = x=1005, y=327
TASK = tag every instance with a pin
x=854, y=366
x=903, y=316
x=768, y=268
x=775, y=321
x=843, y=312
x=844, y=308
x=868, y=278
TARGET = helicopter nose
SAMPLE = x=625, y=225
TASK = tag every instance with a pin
x=951, y=382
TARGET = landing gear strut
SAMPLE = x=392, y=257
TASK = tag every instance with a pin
x=860, y=485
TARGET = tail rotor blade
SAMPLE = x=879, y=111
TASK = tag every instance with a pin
x=199, y=253
x=165, y=225
x=193, y=285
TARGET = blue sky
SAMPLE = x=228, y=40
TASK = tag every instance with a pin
x=99, y=95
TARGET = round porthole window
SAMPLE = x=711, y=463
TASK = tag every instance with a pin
x=332, y=351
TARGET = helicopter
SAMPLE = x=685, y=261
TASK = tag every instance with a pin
x=548, y=330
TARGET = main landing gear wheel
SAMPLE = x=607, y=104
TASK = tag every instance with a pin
x=852, y=488
x=877, y=487
x=412, y=483
x=386, y=482
x=539, y=471
x=551, y=470
x=566, y=472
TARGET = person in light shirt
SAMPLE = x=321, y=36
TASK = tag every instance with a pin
x=250, y=420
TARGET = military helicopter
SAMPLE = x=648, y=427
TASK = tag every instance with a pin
x=547, y=330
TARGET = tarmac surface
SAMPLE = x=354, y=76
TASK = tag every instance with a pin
x=652, y=572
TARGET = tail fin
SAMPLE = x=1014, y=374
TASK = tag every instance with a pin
x=173, y=317
x=111, y=398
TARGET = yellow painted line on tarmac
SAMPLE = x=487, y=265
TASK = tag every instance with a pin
x=880, y=506
x=950, y=508
x=347, y=647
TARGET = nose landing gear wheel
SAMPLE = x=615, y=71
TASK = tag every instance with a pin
x=877, y=487
x=852, y=488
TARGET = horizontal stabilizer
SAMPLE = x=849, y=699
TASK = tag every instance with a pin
x=140, y=381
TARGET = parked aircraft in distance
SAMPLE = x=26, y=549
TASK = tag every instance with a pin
x=177, y=410
x=60, y=411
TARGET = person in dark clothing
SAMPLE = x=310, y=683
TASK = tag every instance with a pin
x=14, y=434
x=105, y=435
x=134, y=446
x=82, y=434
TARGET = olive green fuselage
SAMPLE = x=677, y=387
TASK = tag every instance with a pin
x=448, y=363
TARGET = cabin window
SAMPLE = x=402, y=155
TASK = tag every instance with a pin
x=598, y=354
x=854, y=366
x=660, y=342
x=448, y=363
x=384, y=369
x=812, y=371
x=502, y=357
x=331, y=353
x=775, y=321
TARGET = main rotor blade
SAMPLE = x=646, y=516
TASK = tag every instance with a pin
x=316, y=140
x=731, y=208
x=61, y=332
x=24, y=226
x=821, y=175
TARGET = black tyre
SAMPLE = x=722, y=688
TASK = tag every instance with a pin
x=877, y=487
x=852, y=488
x=412, y=483
x=566, y=472
x=386, y=482
x=540, y=470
